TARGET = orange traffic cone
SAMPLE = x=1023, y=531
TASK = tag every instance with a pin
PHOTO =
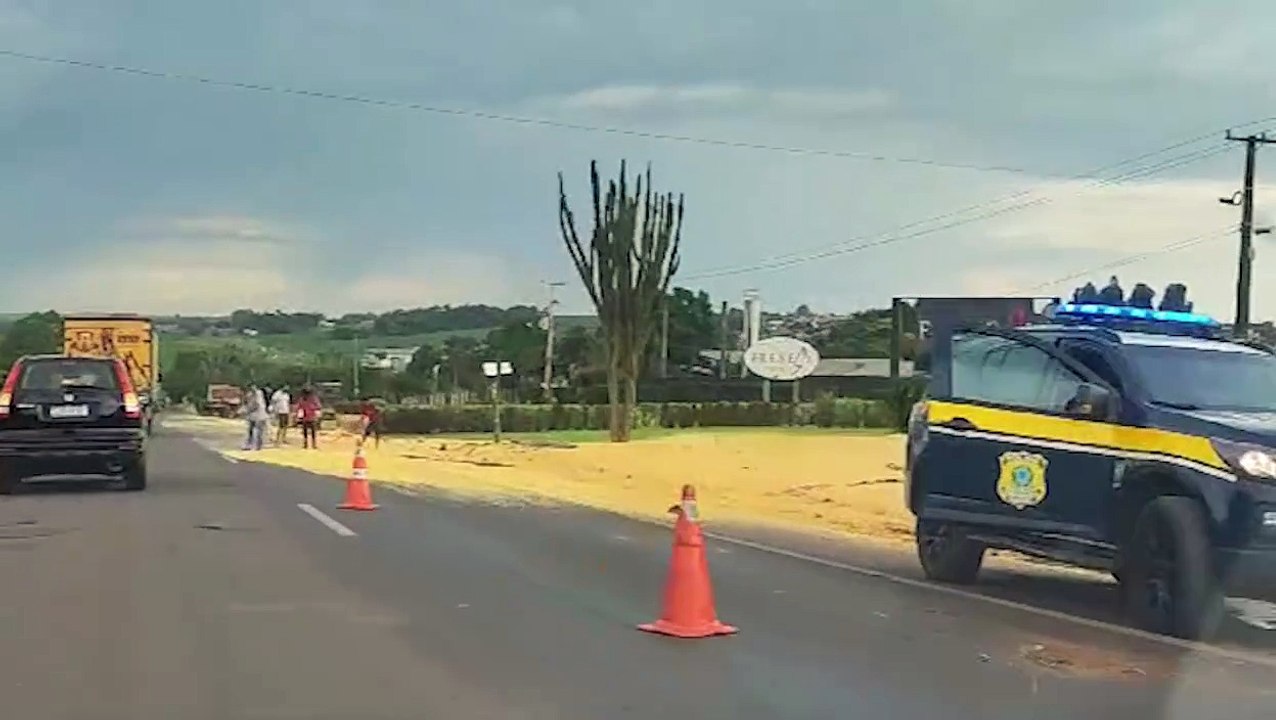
x=358, y=494
x=688, y=603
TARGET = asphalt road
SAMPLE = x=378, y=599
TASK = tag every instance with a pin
x=213, y=595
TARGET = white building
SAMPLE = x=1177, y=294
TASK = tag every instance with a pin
x=392, y=359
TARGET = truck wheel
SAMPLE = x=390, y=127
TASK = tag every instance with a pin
x=1168, y=580
x=946, y=554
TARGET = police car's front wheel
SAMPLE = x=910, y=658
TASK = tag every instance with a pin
x=946, y=554
x=1168, y=580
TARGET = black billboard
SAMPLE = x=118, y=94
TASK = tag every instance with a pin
x=938, y=317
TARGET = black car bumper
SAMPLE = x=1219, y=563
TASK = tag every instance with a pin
x=56, y=457
x=1250, y=572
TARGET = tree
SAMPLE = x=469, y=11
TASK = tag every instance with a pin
x=578, y=349
x=626, y=267
x=463, y=359
x=32, y=334
x=693, y=326
x=423, y=363
x=522, y=344
x=867, y=334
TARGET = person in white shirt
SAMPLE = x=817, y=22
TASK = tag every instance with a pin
x=281, y=408
x=257, y=416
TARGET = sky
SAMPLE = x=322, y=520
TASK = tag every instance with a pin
x=833, y=153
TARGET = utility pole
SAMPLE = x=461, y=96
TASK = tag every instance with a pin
x=1244, y=274
x=722, y=341
x=752, y=318
x=358, y=360
x=549, y=340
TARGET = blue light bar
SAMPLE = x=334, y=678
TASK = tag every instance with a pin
x=1078, y=311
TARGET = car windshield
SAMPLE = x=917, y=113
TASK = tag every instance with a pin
x=65, y=374
x=1207, y=379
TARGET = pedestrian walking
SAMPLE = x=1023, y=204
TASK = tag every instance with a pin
x=256, y=414
x=281, y=409
x=371, y=419
x=309, y=410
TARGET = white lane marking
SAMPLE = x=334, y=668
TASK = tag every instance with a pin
x=1229, y=653
x=328, y=522
x=210, y=447
x=1255, y=613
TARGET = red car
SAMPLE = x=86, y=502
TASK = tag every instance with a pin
x=64, y=418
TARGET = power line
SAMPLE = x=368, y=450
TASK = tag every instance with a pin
x=783, y=261
x=512, y=119
x=1128, y=259
x=865, y=242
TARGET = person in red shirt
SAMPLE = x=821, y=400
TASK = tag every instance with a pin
x=371, y=422
x=308, y=411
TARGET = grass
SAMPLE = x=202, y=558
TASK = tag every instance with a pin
x=576, y=437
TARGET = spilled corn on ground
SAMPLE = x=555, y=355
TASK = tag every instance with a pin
x=844, y=483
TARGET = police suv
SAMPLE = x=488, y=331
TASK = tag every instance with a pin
x=1121, y=439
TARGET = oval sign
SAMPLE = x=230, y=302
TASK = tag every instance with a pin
x=781, y=358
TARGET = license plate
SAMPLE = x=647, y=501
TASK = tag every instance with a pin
x=69, y=411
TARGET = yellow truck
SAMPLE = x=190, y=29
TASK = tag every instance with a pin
x=131, y=338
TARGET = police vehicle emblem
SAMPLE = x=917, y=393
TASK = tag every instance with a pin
x=1022, y=482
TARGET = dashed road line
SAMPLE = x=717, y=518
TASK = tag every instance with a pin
x=326, y=521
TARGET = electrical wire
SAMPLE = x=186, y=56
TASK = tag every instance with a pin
x=511, y=119
x=866, y=242
x=840, y=248
x=1128, y=259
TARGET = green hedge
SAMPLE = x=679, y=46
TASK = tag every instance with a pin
x=827, y=412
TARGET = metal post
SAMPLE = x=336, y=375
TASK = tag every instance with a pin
x=496, y=408
x=358, y=360
x=897, y=328
x=549, y=342
x=722, y=341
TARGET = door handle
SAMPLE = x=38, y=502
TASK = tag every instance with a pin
x=959, y=423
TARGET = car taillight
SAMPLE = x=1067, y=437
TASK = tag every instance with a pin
x=10, y=384
x=132, y=408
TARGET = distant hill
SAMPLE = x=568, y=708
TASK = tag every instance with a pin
x=322, y=341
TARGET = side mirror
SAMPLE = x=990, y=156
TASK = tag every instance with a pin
x=1091, y=401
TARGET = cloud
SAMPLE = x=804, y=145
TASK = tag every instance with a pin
x=718, y=99
x=1129, y=218
x=212, y=264
x=214, y=229
x=436, y=277
x=198, y=198
x=1202, y=44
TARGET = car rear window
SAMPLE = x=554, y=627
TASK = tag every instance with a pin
x=58, y=374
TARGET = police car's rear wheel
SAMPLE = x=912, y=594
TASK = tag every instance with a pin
x=946, y=554
x=1168, y=580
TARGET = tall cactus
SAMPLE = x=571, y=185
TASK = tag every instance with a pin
x=626, y=267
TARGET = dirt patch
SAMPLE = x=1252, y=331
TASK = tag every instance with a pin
x=1069, y=659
